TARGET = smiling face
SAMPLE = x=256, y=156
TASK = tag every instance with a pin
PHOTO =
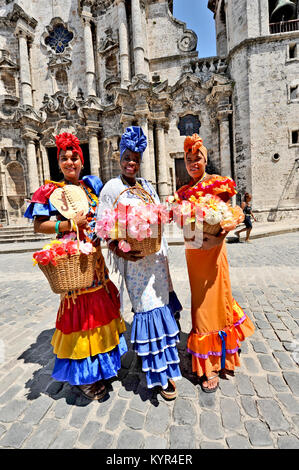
x=130, y=163
x=195, y=164
x=70, y=164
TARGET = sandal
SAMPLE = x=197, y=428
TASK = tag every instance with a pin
x=92, y=391
x=170, y=393
x=210, y=390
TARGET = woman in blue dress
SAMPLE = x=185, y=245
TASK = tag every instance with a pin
x=155, y=332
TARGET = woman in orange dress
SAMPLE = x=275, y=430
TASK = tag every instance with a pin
x=218, y=322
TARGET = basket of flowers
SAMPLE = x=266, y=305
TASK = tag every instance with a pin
x=208, y=213
x=136, y=227
x=68, y=264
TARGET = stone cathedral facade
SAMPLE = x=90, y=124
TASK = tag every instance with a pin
x=94, y=67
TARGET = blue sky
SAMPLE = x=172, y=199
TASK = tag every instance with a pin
x=199, y=18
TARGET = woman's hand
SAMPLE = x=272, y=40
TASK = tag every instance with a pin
x=80, y=220
x=210, y=241
x=129, y=256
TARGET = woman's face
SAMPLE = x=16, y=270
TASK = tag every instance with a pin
x=130, y=163
x=195, y=164
x=70, y=164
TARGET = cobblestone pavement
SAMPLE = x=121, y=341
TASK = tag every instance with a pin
x=257, y=408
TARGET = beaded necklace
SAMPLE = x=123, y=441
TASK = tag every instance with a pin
x=93, y=201
x=137, y=186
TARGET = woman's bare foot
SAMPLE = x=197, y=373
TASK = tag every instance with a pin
x=211, y=383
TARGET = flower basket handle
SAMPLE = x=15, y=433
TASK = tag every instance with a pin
x=135, y=190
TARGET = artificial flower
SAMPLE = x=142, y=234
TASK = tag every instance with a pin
x=124, y=246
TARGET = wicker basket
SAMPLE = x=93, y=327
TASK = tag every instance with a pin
x=206, y=228
x=212, y=229
x=148, y=246
x=71, y=272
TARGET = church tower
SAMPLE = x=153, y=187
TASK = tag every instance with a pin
x=259, y=40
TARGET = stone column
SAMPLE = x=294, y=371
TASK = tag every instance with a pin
x=89, y=55
x=162, y=164
x=25, y=77
x=138, y=45
x=145, y=168
x=225, y=151
x=123, y=44
x=5, y=205
x=31, y=163
x=46, y=165
x=151, y=148
x=94, y=154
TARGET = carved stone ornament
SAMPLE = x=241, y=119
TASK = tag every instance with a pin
x=59, y=61
x=188, y=41
x=6, y=63
x=99, y=7
x=59, y=103
x=108, y=42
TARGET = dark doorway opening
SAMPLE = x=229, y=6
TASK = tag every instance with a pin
x=55, y=173
x=181, y=174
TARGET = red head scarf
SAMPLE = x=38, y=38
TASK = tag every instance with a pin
x=65, y=141
x=194, y=143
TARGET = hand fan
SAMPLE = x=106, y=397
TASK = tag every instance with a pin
x=70, y=200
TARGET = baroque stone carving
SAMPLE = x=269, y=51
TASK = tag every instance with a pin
x=188, y=41
x=108, y=42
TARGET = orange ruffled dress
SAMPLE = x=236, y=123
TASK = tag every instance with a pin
x=218, y=323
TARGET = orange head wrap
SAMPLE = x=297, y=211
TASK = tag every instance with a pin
x=65, y=141
x=194, y=143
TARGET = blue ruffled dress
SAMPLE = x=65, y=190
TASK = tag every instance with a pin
x=155, y=333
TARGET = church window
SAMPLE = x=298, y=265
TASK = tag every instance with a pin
x=292, y=51
x=111, y=66
x=59, y=38
x=294, y=92
x=61, y=80
x=295, y=137
x=189, y=125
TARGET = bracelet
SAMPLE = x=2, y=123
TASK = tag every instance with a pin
x=57, y=227
x=73, y=226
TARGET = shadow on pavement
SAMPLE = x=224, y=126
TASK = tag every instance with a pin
x=130, y=376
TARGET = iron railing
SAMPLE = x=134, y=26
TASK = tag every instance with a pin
x=284, y=26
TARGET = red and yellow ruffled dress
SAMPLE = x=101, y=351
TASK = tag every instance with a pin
x=88, y=341
x=218, y=322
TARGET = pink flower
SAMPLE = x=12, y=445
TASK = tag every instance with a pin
x=86, y=248
x=69, y=236
x=124, y=246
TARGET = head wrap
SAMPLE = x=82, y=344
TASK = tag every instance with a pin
x=194, y=143
x=133, y=139
x=65, y=141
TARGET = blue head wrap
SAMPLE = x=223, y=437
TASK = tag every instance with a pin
x=133, y=139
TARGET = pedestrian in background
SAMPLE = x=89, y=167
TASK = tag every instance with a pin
x=247, y=209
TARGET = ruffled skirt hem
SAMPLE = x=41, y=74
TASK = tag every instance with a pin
x=160, y=379
x=218, y=350
x=91, y=369
x=154, y=337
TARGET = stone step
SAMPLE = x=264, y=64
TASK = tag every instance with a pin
x=25, y=240
x=21, y=236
